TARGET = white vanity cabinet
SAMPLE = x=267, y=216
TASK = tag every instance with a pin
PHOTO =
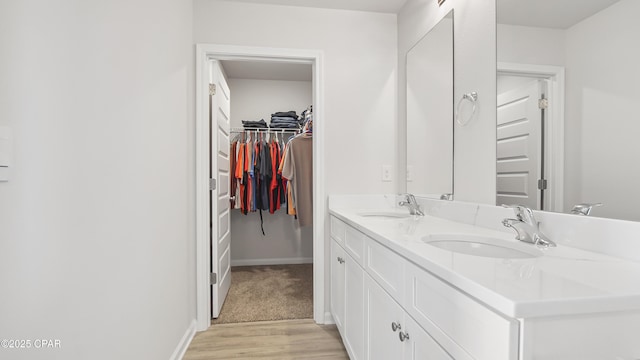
x=402, y=298
x=391, y=332
x=361, y=304
x=354, y=311
x=347, y=287
x=386, y=307
x=337, y=284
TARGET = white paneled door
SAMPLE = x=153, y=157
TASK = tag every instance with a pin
x=519, y=146
x=219, y=126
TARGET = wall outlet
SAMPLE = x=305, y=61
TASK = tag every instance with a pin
x=409, y=173
x=386, y=173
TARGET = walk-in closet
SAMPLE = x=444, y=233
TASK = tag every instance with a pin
x=270, y=191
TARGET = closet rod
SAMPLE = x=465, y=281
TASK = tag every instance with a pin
x=274, y=130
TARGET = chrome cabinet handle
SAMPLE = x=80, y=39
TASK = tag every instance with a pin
x=340, y=260
x=395, y=326
x=403, y=336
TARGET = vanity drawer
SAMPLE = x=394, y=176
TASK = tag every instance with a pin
x=387, y=268
x=338, y=230
x=354, y=243
x=448, y=314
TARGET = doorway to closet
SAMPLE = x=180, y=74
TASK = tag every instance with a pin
x=251, y=84
x=268, y=240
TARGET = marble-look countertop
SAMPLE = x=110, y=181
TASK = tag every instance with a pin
x=563, y=281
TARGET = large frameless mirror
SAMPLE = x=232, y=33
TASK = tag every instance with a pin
x=430, y=112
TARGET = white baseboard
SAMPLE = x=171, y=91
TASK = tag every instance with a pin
x=183, y=345
x=328, y=319
x=278, y=261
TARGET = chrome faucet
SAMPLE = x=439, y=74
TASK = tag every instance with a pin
x=411, y=202
x=584, y=209
x=526, y=227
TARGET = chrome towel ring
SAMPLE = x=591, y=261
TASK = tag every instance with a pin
x=471, y=97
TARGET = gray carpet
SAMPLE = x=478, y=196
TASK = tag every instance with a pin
x=268, y=292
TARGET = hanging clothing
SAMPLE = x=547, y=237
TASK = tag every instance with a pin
x=240, y=173
x=254, y=176
x=232, y=170
x=246, y=178
x=298, y=169
x=274, y=189
x=265, y=174
x=257, y=181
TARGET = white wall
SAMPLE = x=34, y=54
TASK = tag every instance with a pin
x=97, y=222
x=602, y=111
x=531, y=45
x=474, y=70
x=360, y=57
x=284, y=241
x=253, y=99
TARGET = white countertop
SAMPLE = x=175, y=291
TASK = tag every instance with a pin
x=563, y=281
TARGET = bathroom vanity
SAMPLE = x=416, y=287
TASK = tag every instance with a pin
x=441, y=287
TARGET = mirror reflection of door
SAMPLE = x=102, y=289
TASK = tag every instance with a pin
x=597, y=121
x=520, y=178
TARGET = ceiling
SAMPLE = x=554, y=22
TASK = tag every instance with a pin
x=382, y=6
x=541, y=13
x=548, y=13
x=266, y=70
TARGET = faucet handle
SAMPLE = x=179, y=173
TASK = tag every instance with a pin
x=522, y=212
x=516, y=208
x=584, y=208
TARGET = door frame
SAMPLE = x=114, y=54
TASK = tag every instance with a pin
x=205, y=53
x=554, y=132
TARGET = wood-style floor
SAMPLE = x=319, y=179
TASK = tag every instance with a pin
x=277, y=340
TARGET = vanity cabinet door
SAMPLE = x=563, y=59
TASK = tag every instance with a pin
x=392, y=333
x=354, y=309
x=382, y=316
x=419, y=345
x=337, y=284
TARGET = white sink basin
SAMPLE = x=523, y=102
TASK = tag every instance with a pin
x=385, y=214
x=483, y=246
